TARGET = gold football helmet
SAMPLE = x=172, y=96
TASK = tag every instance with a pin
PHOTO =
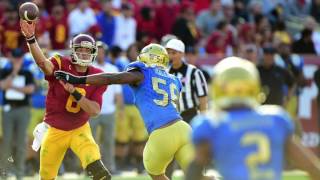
x=236, y=82
x=154, y=55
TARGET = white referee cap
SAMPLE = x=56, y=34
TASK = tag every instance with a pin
x=176, y=44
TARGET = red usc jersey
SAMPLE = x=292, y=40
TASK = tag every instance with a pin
x=59, y=32
x=11, y=37
x=62, y=111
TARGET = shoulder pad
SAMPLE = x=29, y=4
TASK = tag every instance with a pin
x=214, y=118
x=136, y=65
x=198, y=120
x=279, y=113
x=58, y=58
x=95, y=70
x=272, y=110
x=57, y=55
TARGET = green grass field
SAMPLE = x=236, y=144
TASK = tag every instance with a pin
x=287, y=176
x=290, y=175
x=295, y=177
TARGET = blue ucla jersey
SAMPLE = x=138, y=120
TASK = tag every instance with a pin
x=155, y=96
x=246, y=144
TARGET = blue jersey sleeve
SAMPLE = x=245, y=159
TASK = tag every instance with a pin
x=287, y=123
x=179, y=84
x=281, y=115
x=143, y=68
x=202, y=129
x=136, y=65
x=286, y=120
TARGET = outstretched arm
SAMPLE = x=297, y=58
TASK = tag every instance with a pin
x=28, y=30
x=202, y=159
x=302, y=158
x=131, y=77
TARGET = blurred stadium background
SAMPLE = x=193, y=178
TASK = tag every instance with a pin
x=210, y=29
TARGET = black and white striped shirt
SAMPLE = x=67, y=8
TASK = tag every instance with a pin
x=194, y=85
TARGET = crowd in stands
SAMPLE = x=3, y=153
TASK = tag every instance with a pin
x=220, y=27
x=252, y=29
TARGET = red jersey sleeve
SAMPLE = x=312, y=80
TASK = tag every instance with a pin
x=97, y=95
x=56, y=60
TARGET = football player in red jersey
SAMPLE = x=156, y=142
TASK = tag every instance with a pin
x=69, y=107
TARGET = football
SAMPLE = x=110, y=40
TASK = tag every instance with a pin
x=28, y=11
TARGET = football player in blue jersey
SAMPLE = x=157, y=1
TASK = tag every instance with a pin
x=157, y=95
x=245, y=140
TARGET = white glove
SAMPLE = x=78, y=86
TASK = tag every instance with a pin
x=38, y=134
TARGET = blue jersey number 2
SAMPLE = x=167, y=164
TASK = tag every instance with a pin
x=260, y=157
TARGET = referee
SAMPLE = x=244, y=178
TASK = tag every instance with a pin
x=194, y=86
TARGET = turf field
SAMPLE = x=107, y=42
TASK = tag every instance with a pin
x=292, y=175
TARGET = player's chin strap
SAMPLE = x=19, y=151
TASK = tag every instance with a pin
x=97, y=171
